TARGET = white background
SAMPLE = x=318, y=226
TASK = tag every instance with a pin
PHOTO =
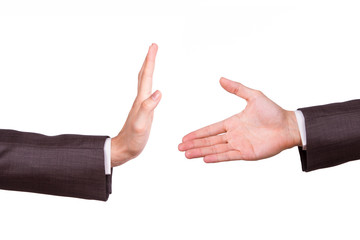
x=71, y=67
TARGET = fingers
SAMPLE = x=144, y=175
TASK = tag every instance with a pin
x=224, y=156
x=146, y=72
x=205, y=151
x=211, y=130
x=237, y=88
x=203, y=142
x=146, y=109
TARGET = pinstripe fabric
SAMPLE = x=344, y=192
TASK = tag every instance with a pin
x=63, y=165
x=332, y=133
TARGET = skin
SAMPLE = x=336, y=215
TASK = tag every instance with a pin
x=262, y=130
x=134, y=135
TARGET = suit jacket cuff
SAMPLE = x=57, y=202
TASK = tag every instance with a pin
x=332, y=133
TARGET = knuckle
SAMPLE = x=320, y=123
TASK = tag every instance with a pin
x=139, y=128
x=213, y=149
x=206, y=142
x=256, y=94
x=237, y=90
x=146, y=105
x=200, y=152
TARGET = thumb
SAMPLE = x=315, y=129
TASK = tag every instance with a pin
x=149, y=104
x=237, y=88
x=146, y=109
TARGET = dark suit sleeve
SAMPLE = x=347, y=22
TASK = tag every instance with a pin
x=63, y=165
x=332, y=135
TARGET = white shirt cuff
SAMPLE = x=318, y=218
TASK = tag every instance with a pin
x=107, y=156
x=301, y=123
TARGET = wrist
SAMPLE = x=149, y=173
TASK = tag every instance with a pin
x=293, y=128
x=119, y=152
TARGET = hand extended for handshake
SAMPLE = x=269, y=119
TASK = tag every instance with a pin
x=263, y=129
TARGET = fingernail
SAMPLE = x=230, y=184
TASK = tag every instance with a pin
x=155, y=96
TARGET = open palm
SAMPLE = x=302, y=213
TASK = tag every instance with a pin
x=261, y=130
x=134, y=135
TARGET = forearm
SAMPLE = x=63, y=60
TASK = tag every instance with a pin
x=332, y=135
x=65, y=165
